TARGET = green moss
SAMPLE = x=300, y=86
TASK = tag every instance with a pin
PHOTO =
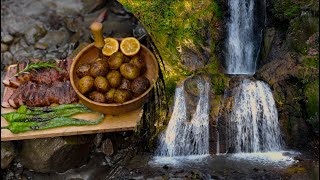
x=288, y=126
x=311, y=62
x=290, y=9
x=299, y=31
x=312, y=95
x=174, y=24
x=293, y=11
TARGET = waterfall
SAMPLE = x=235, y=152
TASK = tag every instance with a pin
x=242, y=41
x=253, y=122
x=187, y=137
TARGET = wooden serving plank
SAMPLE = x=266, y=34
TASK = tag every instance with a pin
x=124, y=122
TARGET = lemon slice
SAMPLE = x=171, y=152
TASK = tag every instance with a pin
x=111, y=46
x=130, y=46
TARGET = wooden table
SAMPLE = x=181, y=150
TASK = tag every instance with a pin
x=124, y=122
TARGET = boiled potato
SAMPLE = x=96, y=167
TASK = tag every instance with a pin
x=99, y=68
x=139, y=86
x=121, y=96
x=125, y=84
x=85, y=84
x=97, y=96
x=115, y=60
x=114, y=78
x=140, y=63
x=129, y=71
x=109, y=95
x=101, y=83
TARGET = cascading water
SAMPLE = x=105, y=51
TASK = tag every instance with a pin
x=183, y=137
x=243, y=38
x=253, y=122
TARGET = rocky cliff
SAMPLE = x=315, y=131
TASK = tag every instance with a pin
x=290, y=64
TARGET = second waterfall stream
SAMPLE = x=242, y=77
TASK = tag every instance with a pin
x=185, y=136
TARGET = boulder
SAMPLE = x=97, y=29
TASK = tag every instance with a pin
x=6, y=58
x=7, y=154
x=34, y=33
x=4, y=47
x=107, y=147
x=7, y=39
x=55, y=38
x=55, y=154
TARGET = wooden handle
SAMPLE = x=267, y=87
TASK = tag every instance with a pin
x=96, y=29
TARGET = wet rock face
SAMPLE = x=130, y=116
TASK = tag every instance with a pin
x=290, y=64
x=7, y=154
x=55, y=154
x=284, y=76
x=225, y=109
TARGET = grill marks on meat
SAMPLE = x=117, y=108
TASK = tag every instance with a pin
x=47, y=76
x=39, y=88
x=35, y=94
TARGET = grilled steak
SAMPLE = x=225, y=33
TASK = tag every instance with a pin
x=9, y=79
x=39, y=88
x=42, y=94
x=47, y=76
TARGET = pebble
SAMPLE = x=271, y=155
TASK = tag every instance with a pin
x=4, y=47
x=7, y=39
x=38, y=54
x=23, y=43
x=21, y=55
x=107, y=147
x=156, y=178
x=138, y=178
x=42, y=46
x=52, y=56
x=7, y=58
x=55, y=38
x=98, y=139
x=34, y=34
x=15, y=47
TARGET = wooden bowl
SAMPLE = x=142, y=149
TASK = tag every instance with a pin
x=88, y=55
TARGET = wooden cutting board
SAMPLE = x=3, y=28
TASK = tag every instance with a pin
x=123, y=122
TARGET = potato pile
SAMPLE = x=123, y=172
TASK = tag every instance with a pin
x=114, y=79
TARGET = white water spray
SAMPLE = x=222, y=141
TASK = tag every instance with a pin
x=253, y=122
x=183, y=137
x=241, y=55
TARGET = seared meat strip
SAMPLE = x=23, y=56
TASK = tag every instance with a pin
x=10, y=80
x=46, y=76
x=34, y=94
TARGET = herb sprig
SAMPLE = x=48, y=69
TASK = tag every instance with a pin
x=38, y=65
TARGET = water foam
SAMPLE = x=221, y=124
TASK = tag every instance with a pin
x=183, y=137
x=253, y=122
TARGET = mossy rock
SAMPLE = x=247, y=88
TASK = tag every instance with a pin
x=312, y=102
x=180, y=30
x=289, y=9
x=300, y=29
